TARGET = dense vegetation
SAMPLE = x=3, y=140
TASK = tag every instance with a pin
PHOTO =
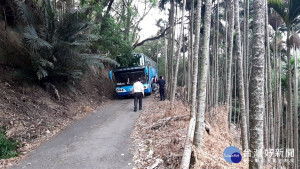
x=8, y=147
x=57, y=41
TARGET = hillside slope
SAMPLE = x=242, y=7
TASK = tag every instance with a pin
x=31, y=115
x=218, y=139
x=160, y=133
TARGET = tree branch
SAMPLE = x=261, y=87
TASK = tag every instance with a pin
x=151, y=39
x=109, y=7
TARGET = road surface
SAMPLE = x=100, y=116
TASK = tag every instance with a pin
x=99, y=141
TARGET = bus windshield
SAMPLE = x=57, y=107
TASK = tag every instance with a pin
x=128, y=78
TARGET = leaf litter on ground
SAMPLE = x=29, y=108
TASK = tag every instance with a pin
x=160, y=133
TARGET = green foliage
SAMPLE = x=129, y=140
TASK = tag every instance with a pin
x=128, y=60
x=37, y=48
x=161, y=66
x=51, y=49
x=33, y=42
x=8, y=147
x=72, y=48
x=112, y=41
x=151, y=49
x=47, y=45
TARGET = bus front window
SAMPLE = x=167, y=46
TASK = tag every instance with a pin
x=128, y=78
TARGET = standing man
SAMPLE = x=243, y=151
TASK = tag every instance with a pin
x=161, y=82
x=138, y=93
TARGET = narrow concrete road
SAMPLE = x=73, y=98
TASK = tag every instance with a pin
x=99, y=141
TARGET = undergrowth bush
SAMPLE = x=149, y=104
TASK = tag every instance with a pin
x=8, y=147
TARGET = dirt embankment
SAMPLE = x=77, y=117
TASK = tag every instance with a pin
x=160, y=133
x=32, y=115
x=218, y=139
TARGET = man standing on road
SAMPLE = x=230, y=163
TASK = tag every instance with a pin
x=161, y=82
x=138, y=93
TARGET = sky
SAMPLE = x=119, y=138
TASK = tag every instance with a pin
x=148, y=24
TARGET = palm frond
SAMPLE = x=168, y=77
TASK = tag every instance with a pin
x=100, y=58
x=33, y=41
x=45, y=63
x=294, y=9
x=279, y=7
x=41, y=72
x=40, y=66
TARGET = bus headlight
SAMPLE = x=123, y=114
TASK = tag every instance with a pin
x=120, y=90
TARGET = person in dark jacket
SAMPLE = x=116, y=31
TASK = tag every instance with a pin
x=161, y=82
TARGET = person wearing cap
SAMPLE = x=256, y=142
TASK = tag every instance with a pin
x=138, y=93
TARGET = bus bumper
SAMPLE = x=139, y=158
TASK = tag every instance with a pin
x=123, y=94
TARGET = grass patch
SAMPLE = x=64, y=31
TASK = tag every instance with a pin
x=8, y=147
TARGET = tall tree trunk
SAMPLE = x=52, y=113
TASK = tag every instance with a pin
x=203, y=76
x=277, y=99
x=188, y=146
x=275, y=103
x=290, y=94
x=279, y=102
x=246, y=58
x=166, y=58
x=256, y=91
x=217, y=57
x=171, y=48
x=190, y=51
x=270, y=97
x=266, y=116
x=296, y=148
x=184, y=77
x=178, y=58
x=226, y=53
x=240, y=75
x=235, y=89
x=211, y=73
x=229, y=61
x=289, y=140
x=195, y=59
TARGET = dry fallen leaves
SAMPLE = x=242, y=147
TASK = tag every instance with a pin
x=158, y=135
x=158, y=141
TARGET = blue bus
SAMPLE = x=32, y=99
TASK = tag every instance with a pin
x=144, y=68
